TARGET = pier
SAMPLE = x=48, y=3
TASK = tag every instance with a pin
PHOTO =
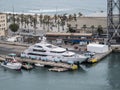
x=96, y=58
x=115, y=48
x=56, y=69
x=46, y=63
x=99, y=57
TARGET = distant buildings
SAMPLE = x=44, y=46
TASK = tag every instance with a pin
x=3, y=24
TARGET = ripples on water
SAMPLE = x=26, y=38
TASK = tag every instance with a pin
x=103, y=75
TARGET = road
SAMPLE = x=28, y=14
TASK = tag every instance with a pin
x=6, y=49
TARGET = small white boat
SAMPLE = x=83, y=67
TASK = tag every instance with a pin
x=39, y=65
x=11, y=64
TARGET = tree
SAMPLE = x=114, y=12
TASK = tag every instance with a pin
x=41, y=19
x=22, y=19
x=35, y=23
x=55, y=17
x=47, y=21
x=75, y=17
x=92, y=27
x=84, y=27
x=58, y=23
x=70, y=17
x=100, y=30
x=14, y=27
x=62, y=23
x=70, y=29
x=80, y=14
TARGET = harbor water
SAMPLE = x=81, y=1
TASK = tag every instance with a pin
x=104, y=75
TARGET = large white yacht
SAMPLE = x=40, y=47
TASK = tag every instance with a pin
x=46, y=51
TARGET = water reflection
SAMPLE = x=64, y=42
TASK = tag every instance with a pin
x=103, y=75
x=114, y=71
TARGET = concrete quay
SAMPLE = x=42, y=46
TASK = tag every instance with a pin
x=99, y=57
x=115, y=48
x=14, y=43
x=46, y=63
x=56, y=69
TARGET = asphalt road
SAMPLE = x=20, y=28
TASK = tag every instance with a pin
x=6, y=49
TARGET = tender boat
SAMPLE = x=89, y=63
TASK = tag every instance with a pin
x=11, y=64
x=39, y=65
x=48, y=52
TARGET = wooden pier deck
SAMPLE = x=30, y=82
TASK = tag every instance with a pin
x=56, y=69
x=47, y=63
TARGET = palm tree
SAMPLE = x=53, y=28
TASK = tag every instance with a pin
x=35, y=23
x=14, y=27
x=80, y=14
x=48, y=22
x=92, y=27
x=41, y=19
x=70, y=17
x=43, y=23
x=75, y=17
x=8, y=18
x=58, y=23
x=99, y=30
x=27, y=21
x=31, y=20
x=84, y=27
x=70, y=29
x=22, y=19
x=55, y=17
x=62, y=23
x=69, y=26
x=18, y=20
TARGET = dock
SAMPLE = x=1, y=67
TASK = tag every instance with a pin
x=115, y=48
x=99, y=57
x=46, y=63
x=56, y=69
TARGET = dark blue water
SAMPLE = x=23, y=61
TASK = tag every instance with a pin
x=104, y=75
x=53, y=6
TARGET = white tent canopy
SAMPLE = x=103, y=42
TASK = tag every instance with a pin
x=97, y=48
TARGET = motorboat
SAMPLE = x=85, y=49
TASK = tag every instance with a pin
x=11, y=64
x=39, y=65
x=49, y=52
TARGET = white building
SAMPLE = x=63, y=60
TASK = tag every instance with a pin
x=97, y=48
x=3, y=24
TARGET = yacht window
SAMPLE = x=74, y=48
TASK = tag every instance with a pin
x=39, y=50
x=51, y=46
x=68, y=55
x=36, y=54
x=57, y=52
x=38, y=46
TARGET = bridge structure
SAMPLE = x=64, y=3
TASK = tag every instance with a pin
x=113, y=20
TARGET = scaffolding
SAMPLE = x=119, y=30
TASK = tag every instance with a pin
x=113, y=20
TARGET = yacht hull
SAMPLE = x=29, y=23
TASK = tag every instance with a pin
x=79, y=59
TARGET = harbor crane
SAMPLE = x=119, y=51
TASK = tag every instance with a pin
x=113, y=20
